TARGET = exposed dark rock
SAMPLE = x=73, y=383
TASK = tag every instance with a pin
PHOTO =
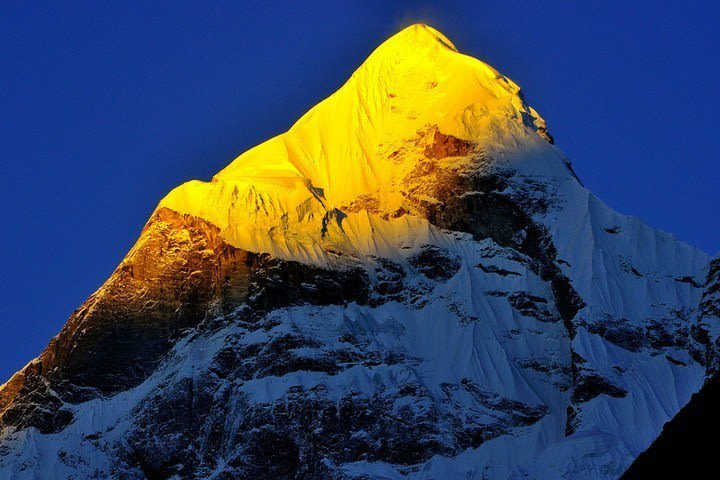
x=303, y=432
x=179, y=273
x=571, y=423
x=689, y=280
x=497, y=293
x=678, y=331
x=461, y=313
x=389, y=285
x=626, y=265
x=533, y=306
x=506, y=414
x=39, y=408
x=542, y=131
x=591, y=385
x=545, y=368
x=710, y=303
x=620, y=332
x=674, y=361
x=443, y=146
x=435, y=264
x=285, y=353
x=278, y=283
x=496, y=270
x=476, y=204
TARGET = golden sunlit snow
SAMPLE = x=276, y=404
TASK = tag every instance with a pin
x=297, y=194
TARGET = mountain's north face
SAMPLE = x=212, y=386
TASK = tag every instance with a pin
x=411, y=282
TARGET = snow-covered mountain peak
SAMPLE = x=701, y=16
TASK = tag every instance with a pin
x=415, y=114
x=419, y=35
x=409, y=283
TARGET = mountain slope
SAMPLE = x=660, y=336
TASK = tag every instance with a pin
x=409, y=283
x=683, y=448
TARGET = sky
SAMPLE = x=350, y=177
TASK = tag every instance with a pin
x=105, y=108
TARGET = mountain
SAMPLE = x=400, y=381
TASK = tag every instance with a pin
x=685, y=447
x=411, y=282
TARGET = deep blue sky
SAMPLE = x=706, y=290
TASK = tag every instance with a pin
x=105, y=109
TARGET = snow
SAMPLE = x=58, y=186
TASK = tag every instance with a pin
x=612, y=433
x=282, y=197
x=274, y=197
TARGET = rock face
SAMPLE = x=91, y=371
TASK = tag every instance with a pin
x=179, y=274
x=409, y=283
x=685, y=447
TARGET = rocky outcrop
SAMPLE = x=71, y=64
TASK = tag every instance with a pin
x=179, y=274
